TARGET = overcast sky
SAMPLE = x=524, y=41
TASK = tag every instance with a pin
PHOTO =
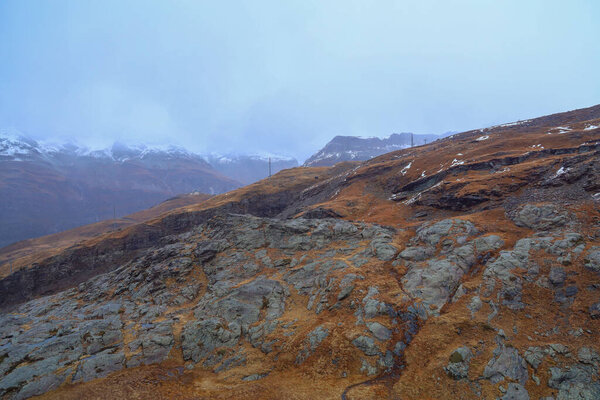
x=286, y=76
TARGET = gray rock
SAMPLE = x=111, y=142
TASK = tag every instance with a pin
x=506, y=363
x=235, y=361
x=26, y=373
x=588, y=356
x=475, y=305
x=345, y=292
x=313, y=340
x=379, y=331
x=99, y=365
x=557, y=276
x=516, y=392
x=488, y=243
x=419, y=253
x=595, y=311
x=383, y=250
x=200, y=338
x=372, y=306
x=592, y=259
x=534, y=356
x=571, y=291
x=575, y=382
x=42, y=385
x=386, y=361
x=367, y=368
x=458, y=367
x=255, y=377
x=434, y=284
x=366, y=345
x=316, y=336
x=540, y=218
x=432, y=234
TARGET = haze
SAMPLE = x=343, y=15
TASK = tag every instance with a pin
x=285, y=77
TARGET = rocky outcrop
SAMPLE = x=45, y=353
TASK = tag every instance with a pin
x=127, y=317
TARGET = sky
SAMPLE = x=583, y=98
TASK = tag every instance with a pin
x=287, y=76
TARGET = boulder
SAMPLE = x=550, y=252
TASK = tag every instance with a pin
x=99, y=365
x=200, y=338
x=506, y=363
x=458, y=366
x=515, y=391
x=366, y=345
x=379, y=331
x=540, y=217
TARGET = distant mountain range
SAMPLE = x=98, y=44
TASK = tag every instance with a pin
x=355, y=148
x=47, y=188
x=50, y=188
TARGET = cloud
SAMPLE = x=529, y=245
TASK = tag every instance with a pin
x=285, y=77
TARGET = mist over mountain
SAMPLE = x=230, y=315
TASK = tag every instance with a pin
x=249, y=168
x=48, y=188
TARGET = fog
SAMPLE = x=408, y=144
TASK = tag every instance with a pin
x=286, y=76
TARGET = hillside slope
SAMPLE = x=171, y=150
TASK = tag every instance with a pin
x=16, y=255
x=465, y=268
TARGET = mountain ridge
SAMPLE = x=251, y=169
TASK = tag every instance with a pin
x=357, y=148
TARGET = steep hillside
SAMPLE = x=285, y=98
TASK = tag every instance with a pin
x=47, y=188
x=465, y=268
x=354, y=148
x=16, y=255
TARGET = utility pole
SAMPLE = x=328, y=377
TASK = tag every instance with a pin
x=425, y=141
x=114, y=217
x=412, y=142
x=269, y=167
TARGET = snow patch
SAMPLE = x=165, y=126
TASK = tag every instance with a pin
x=561, y=170
x=480, y=138
x=456, y=162
x=405, y=169
x=591, y=127
x=512, y=124
x=559, y=130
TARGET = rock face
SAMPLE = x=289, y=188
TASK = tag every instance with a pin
x=251, y=267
